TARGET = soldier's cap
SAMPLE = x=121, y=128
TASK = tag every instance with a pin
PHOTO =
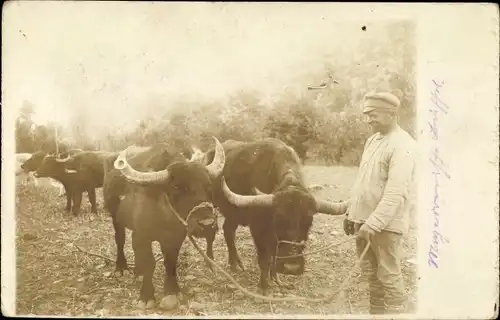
x=384, y=101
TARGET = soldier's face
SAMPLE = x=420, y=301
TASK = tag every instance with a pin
x=380, y=121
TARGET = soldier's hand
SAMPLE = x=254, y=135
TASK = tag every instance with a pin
x=366, y=233
x=348, y=226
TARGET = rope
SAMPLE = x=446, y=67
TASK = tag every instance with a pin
x=316, y=251
x=201, y=205
x=285, y=299
x=266, y=298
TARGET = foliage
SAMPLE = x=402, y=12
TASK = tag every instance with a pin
x=31, y=137
x=323, y=126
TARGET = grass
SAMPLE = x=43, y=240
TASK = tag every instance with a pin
x=54, y=278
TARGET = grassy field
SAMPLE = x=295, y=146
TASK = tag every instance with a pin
x=55, y=278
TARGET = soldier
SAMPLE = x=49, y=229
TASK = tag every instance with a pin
x=379, y=204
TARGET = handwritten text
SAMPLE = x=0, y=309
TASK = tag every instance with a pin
x=439, y=171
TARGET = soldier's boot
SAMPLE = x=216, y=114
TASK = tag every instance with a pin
x=377, y=309
x=377, y=295
x=377, y=305
x=394, y=308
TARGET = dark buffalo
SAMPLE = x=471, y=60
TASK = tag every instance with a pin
x=262, y=187
x=34, y=162
x=79, y=172
x=21, y=158
x=150, y=204
x=36, y=159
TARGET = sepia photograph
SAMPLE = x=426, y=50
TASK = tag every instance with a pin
x=218, y=160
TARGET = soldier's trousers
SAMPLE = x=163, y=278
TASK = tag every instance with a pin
x=382, y=269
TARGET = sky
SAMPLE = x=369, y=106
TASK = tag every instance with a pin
x=108, y=62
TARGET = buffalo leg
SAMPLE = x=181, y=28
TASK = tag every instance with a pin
x=77, y=201
x=210, y=244
x=147, y=262
x=229, y=228
x=121, y=261
x=92, y=200
x=171, y=288
x=69, y=197
x=138, y=273
x=264, y=258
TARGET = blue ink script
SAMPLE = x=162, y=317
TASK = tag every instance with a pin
x=439, y=172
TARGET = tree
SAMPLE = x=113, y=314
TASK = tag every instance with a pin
x=24, y=128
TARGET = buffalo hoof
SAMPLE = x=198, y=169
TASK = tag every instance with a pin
x=169, y=302
x=235, y=268
x=151, y=304
x=287, y=286
x=180, y=296
x=235, y=265
x=264, y=292
x=238, y=263
x=124, y=273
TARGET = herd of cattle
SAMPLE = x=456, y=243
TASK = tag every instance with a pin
x=162, y=193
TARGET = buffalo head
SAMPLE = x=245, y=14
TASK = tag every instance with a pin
x=187, y=186
x=292, y=211
x=52, y=166
x=34, y=161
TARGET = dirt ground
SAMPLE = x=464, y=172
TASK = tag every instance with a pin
x=55, y=278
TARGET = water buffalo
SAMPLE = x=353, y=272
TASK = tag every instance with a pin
x=262, y=187
x=28, y=176
x=78, y=172
x=150, y=205
x=21, y=158
x=35, y=160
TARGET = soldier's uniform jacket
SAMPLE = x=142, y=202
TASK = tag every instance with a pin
x=382, y=196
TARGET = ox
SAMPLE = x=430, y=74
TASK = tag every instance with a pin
x=21, y=158
x=262, y=187
x=152, y=204
x=35, y=160
x=78, y=172
x=31, y=164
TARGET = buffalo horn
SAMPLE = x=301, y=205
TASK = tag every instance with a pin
x=215, y=168
x=63, y=160
x=138, y=176
x=330, y=208
x=238, y=200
